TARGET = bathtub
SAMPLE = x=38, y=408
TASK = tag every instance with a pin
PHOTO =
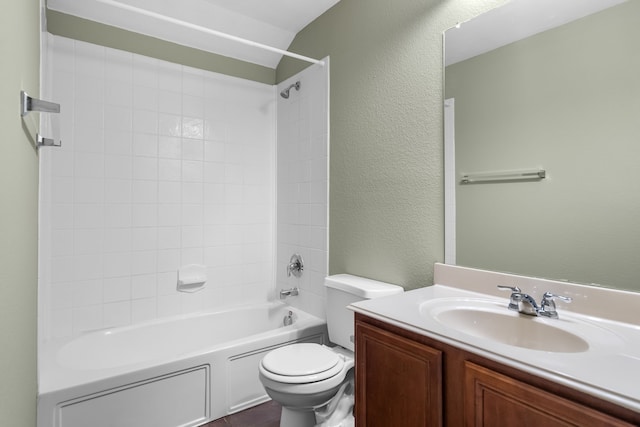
x=183, y=371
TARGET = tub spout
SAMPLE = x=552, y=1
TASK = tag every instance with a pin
x=288, y=293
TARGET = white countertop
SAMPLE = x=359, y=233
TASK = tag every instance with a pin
x=608, y=369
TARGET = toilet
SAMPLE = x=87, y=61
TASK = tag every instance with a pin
x=313, y=382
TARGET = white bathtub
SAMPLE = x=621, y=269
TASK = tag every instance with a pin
x=183, y=371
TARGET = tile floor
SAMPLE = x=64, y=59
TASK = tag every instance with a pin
x=265, y=415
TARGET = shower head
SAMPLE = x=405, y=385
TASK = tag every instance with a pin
x=285, y=93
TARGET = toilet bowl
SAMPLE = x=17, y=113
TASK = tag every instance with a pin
x=304, y=377
x=313, y=382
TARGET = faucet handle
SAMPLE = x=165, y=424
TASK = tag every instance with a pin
x=548, y=298
x=509, y=288
x=516, y=295
x=295, y=266
x=548, y=305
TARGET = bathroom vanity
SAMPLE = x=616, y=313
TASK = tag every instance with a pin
x=447, y=356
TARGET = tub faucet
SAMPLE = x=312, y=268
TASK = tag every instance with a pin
x=288, y=293
x=525, y=304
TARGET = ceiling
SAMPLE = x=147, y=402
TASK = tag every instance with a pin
x=270, y=22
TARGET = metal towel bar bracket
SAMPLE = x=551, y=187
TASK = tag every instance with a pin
x=41, y=141
x=28, y=104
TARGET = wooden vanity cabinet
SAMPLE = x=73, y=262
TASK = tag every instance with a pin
x=405, y=379
x=396, y=379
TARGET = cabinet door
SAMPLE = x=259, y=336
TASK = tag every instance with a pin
x=398, y=381
x=496, y=400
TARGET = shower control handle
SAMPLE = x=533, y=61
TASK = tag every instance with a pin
x=295, y=266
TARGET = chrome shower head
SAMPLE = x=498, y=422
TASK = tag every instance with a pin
x=285, y=93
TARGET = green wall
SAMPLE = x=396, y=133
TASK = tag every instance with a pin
x=20, y=53
x=565, y=100
x=386, y=177
x=73, y=27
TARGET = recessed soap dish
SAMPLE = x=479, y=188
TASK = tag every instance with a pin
x=191, y=278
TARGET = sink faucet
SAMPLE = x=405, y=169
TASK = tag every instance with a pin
x=526, y=304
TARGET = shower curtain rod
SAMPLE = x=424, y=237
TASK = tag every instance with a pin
x=210, y=31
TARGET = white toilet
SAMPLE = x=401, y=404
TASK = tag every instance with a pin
x=313, y=379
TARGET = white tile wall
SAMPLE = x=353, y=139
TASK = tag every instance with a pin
x=303, y=149
x=162, y=165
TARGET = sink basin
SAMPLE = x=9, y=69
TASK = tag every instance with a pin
x=493, y=321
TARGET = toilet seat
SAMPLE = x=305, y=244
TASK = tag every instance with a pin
x=301, y=363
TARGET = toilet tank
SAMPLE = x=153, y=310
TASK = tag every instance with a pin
x=342, y=290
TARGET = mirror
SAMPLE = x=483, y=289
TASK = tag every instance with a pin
x=554, y=86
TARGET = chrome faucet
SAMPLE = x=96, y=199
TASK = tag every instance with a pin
x=295, y=266
x=288, y=293
x=526, y=304
x=548, y=306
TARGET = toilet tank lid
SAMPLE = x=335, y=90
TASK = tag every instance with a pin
x=361, y=286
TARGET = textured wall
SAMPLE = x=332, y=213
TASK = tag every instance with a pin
x=386, y=188
x=19, y=49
